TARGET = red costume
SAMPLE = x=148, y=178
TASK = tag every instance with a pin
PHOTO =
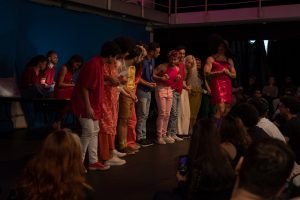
x=30, y=77
x=64, y=92
x=90, y=77
x=221, y=88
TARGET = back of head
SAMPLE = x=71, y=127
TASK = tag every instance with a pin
x=266, y=167
x=292, y=103
x=153, y=46
x=126, y=44
x=232, y=130
x=261, y=105
x=247, y=113
x=110, y=49
x=208, y=165
x=56, y=172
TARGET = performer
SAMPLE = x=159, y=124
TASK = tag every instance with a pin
x=220, y=67
x=87, y=99
x=166, y=75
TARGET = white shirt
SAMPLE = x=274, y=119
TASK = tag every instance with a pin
x=270, y=128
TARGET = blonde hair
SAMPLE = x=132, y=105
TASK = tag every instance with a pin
x=192, y=78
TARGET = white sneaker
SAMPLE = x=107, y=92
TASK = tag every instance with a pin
x=176, y=138
x=160, y=140
x=118, y=153
x=115, y=161
x=169, y=139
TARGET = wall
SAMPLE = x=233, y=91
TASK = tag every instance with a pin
x=29, y=29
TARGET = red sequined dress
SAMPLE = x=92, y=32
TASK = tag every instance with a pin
x=221, y=87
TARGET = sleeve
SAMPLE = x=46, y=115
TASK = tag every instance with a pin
x=88, y=76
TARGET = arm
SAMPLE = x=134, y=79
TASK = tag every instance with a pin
x=231, y=72
x=156, y=71
x=208, y=67
x=146, y=83
x=86, y=99
x=207, y=86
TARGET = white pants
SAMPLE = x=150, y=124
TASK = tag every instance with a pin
x=89, y=138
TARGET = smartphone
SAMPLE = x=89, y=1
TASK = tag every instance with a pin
x=182, y=164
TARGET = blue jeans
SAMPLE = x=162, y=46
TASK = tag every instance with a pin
x=142, y=112
x=173, y=120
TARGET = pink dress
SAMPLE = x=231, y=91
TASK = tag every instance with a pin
x=221, y=87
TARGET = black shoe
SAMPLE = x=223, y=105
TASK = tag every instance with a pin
x=145, y=143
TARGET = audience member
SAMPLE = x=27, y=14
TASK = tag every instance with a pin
x=56, y=172
x=234, y=138
x=264, y=170
x=289, y=109
x=209, y=174
x=262, y=106
x=249, y=116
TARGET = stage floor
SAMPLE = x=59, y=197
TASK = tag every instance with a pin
x=151, y=169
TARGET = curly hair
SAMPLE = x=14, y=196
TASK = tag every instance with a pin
x=56, y=172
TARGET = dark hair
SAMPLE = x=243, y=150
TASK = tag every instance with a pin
x=266, y=166
x=215, y=41
x=110, y=49
x=36, y=60
x=136, y=51
x=247, y=113
x=232, y=130
x=126, y=44
x=76, y=58
x=153, y=46
x=261, y=105
x=180, y=47
x=208, y=166
x=49, y=53
x=292, y=103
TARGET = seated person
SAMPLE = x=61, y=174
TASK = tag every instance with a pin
x=49, y=72
x=264, y=170
x=33, y=85
x=209, y=174
x=56, y=172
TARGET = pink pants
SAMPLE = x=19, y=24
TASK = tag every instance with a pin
x=164, y=97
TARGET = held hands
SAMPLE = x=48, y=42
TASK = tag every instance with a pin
x=152, y=85
x=178, y=77
x=133, y=97
x=165, y=77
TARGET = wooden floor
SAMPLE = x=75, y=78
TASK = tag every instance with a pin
x=150, y=170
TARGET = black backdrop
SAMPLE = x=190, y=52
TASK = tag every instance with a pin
x=282, y=58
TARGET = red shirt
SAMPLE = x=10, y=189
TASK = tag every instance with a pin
x=91, y=77
x=49, y=75
x=178, y=85
x=30, y=77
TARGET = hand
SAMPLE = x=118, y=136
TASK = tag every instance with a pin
x=208, y=91
x=165, y=77
x=226, y=71
x=90, y=113
x=133, y=97
x=188, y=87
x=152, y=85
x=114, y=81
x=178, y=77
x=180, y=177
x=122, y=79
